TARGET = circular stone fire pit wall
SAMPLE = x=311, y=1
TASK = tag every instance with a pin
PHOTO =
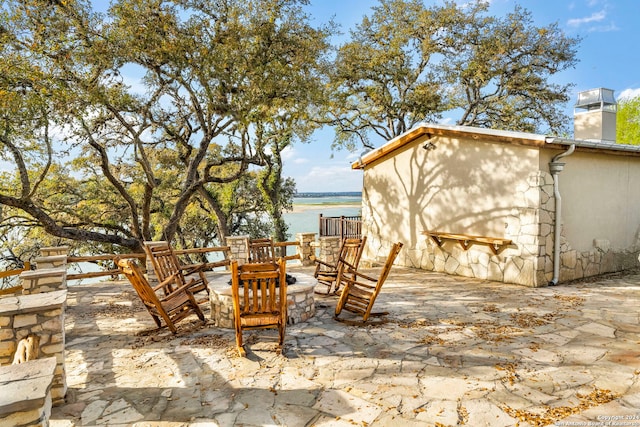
x=300, y=303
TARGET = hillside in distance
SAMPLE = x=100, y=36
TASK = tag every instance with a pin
x=331, y=194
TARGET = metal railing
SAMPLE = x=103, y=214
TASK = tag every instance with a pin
x=343, y=226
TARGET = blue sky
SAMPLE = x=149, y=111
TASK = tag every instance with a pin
x=608, y=57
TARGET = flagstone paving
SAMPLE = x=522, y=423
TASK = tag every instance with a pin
x=453, y=352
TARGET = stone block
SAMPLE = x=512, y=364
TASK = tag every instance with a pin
x=52, y=349
x=26, y=387
x=451, y=265
x=51, y=261
x=54, y=250
x=7, y=348
x=24, y=320
x=6, y=334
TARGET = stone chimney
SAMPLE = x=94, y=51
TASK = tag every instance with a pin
x=594, y=115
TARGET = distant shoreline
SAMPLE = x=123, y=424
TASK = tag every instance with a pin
x=302, y=207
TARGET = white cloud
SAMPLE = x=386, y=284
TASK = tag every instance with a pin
x=352, y=156
x=604, y=28
x=595, y=17
x=291, y=155
x=629, y=93
x=329, y=179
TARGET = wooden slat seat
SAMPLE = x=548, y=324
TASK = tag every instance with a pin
x=259, y=292
x=327, y=273
x=171, y=307
x=360, y=290
x=165, y=264
x=261, y=250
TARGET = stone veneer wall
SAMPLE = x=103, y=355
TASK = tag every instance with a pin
x=42, y=315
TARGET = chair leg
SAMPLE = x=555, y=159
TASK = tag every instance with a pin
x=241, y=350
x=157, y=320
x=342, y=301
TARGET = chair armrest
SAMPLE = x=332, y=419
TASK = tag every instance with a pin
x=196, y=268
x=353, y=282
x=354, y=271
x=166, y=281
x=326, y=264
x=182, y=289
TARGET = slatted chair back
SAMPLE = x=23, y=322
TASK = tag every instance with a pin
x=360, y=290
x=350, y=252
x=166, y=263
x=259, y=293
x=261, y=251
x=169, y=308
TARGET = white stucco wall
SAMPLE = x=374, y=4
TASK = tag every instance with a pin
x=600, y=200
x=461, y=186
x=503, y=190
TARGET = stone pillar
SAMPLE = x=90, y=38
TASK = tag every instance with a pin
x=26, y=392
x=53, y=261
x=329, y=249
x=41, y=316
x=54, y=251
x=45, y=280
x=306, y=249
x=238, y=248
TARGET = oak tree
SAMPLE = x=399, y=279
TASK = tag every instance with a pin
x=628, y=121
x=103, y=159
x=407, y=63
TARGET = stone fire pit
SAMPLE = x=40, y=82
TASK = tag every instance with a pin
x=300, y=303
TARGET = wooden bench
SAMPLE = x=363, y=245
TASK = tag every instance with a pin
x=496, y=244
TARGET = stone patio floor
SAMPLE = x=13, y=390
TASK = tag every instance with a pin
x=453, y=352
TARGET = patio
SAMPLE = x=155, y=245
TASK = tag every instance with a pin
x=454, y=351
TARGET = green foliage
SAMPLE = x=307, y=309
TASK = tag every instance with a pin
x=106, y=162
x=628, y=121
x=407, y=63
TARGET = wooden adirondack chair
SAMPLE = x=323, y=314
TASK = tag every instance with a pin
x=170, y=308
x=259, y=298
x=261, y=250
x=360, y=290
x=327, y=273
x=166, y=264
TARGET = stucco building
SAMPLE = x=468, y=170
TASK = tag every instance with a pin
x=508, y=206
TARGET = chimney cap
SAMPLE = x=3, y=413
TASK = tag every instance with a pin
x=595, y=98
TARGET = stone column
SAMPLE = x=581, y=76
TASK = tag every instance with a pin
x=329, y=248
x=26, y=391
x=306, y=249
x=54, y=251
x=238, y=248
x=51, y=261
x=41, y=317
x=45, y=280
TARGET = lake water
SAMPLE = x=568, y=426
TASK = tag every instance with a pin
x=307, y=210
